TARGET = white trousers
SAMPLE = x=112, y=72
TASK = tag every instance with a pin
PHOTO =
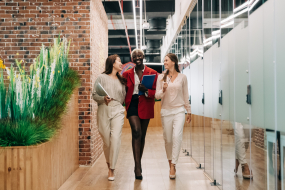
x=240, y=143
x=172, y=132
x=110, y=122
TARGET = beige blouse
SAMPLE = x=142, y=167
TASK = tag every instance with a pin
x=176, y=94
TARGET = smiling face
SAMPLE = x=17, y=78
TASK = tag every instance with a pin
x=118, y=65
x=138, y=58
x=168, y=64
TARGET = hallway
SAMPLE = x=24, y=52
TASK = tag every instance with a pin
x=154, y=165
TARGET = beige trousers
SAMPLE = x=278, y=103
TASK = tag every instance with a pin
x=173, y=123
x=110, y=122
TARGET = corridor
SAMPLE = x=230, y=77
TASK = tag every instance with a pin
x=154, y=165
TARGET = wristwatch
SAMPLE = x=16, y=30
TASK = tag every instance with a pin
x=146, y=93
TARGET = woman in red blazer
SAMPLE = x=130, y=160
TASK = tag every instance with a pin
x=140, y=109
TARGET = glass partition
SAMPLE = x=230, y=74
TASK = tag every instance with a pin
x=280, y=90
x=196, y=84
x=235, y=81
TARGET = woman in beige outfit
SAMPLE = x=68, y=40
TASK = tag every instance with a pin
x=172, y=89
x=110, y=114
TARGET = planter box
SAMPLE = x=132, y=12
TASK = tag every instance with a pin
x=46, y=166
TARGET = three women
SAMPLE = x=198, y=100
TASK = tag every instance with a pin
x=171, y=87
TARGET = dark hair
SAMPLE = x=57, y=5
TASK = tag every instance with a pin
x=109, y=67
x=173, y=58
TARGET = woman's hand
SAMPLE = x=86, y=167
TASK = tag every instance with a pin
x=188, y=118
x=107, y=100
x=165, y=85
x=142, y=88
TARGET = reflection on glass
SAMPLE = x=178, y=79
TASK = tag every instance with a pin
x=233, y=46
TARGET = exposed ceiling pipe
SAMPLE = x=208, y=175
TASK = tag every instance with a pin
x=141, y=24
x=144, y=21
x=135, y=22
x=144, y=10
x=125, y=26
x=111, y=17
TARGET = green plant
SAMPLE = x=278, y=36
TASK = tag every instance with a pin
x=31, y=107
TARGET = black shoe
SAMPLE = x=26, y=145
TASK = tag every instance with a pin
x=139, y=177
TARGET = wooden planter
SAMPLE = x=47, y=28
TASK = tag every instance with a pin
x=46, y=166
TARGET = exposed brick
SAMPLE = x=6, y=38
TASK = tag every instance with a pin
x=26, y=25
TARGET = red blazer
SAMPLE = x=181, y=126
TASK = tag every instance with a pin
x=146, y=104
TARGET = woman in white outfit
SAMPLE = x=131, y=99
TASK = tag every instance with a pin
x=110, y=114
x=172, y=89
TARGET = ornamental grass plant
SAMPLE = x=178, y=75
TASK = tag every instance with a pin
x=32, y=103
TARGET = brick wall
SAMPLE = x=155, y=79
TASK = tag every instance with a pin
x=26, y=25
x=258, y=137
x=99, y=53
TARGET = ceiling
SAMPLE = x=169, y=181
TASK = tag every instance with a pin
x=118, y=43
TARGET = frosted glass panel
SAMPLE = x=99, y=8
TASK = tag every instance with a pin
x=200, y=86
x=216, y=81
x=268, y=65
x=256, y=67
x=247, y=49
x=208, y=113
x=226, y=83
x=241, y=72
x=208, y=83
x=280, y=60
x=195, y=93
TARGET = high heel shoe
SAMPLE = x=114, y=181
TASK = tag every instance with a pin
x=246, y=173
x=172, y=176
x=112, y=178
x=138, y=177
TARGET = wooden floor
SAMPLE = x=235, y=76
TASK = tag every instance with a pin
x=154, y=165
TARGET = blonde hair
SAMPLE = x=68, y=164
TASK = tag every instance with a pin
x=137, y=50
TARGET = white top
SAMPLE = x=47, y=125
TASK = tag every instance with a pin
x=176, y=94
x=137, y=82
x=113, y=87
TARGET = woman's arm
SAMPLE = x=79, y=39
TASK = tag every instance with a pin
x=159, y=89
x=186, y=95
x=95, y=96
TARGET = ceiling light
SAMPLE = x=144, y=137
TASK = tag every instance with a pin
x=208, y=39
x=196, y=52
x=208, y=43
x=216, y=32
x=135, y=23
x=241, y=6
x=233, y=16
x=228, y=24
x=146, y=25
x=253, y=4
